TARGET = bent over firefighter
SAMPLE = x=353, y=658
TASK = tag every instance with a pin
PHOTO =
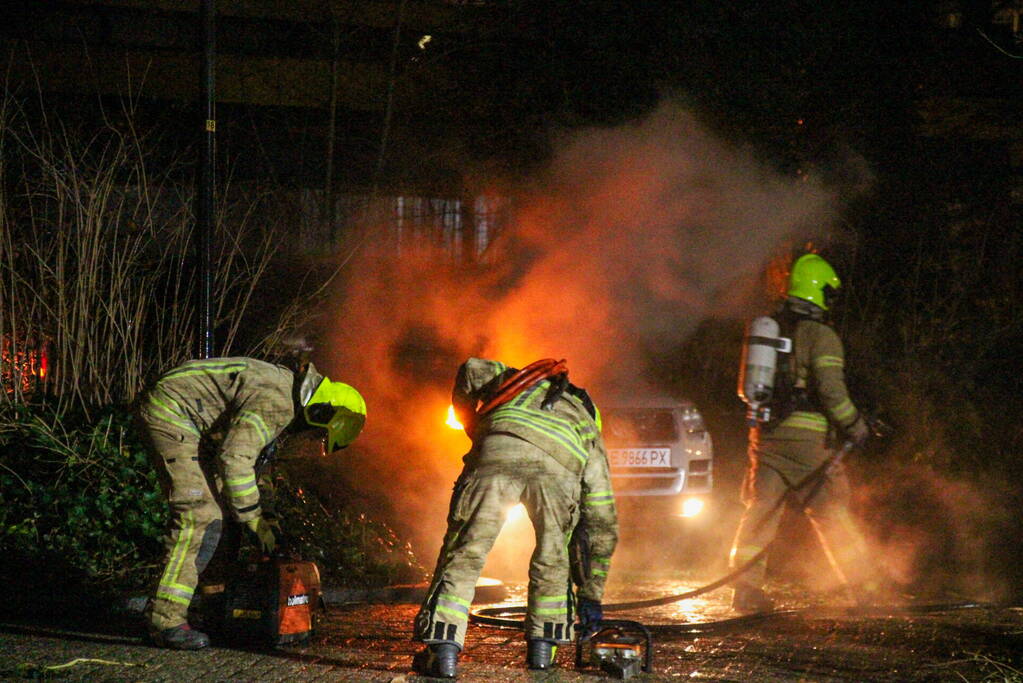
x=536, y=440
x=248, y=403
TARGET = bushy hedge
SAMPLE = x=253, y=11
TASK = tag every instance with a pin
x=78, y=493
x=80, y=500
x=350, y=548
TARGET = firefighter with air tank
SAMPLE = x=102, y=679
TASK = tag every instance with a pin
x=243, y=405
x=793, y=381
x=536, y=440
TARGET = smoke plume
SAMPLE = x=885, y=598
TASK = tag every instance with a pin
x=631, y=237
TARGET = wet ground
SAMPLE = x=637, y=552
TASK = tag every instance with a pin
x=370, y=642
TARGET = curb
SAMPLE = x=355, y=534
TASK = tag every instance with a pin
x=487, y=591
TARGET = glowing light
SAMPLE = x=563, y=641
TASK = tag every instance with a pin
x=515, y=513
x=423, y=41
x=692, y=507
x=694, y=610
x=452, y=421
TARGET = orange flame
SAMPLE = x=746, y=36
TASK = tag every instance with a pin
x=452, y=421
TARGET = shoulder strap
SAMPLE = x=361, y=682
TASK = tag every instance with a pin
x=583, y=396
x=783, y=396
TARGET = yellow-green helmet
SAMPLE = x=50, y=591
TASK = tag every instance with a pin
x=810, y=279
x=338, y=408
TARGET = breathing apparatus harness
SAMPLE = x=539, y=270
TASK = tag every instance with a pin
x=767, y=376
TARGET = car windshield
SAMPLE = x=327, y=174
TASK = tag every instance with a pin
x=623, y=428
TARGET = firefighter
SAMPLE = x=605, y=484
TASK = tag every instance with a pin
x=542, y=448
x=787, y=450
x=242, y=405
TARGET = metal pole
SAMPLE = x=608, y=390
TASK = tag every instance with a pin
x=207, y=176
x=328, y=181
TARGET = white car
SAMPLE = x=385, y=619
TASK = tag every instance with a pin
x=659, y=447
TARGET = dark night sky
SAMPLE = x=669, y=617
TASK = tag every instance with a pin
x=801, y=80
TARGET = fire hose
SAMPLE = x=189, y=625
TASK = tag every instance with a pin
x=522, y=379
x=499, y=616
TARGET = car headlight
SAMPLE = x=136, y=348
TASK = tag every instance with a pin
x=692, y=421
x=692, y=507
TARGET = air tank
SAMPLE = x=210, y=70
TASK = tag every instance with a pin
x=759, y=361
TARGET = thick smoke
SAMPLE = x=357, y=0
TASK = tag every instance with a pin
x=632, y=237
x=936, y=534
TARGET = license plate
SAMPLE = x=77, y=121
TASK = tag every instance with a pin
x=640, y=457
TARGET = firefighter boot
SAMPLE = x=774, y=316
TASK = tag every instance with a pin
x=540, y=653
x=747, y=599
x=182, y=637
x=439, y=660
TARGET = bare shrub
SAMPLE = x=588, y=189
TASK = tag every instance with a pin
x=95, y=260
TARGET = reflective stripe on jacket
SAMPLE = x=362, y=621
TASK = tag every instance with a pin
x=569, y=434
x=247, y=401
x=819, y=368
x=601, y=519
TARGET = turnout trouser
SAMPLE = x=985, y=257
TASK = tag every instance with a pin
x=505, y=471
x=195, y=524
x=775, y=469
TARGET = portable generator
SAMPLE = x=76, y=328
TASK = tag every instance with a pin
x=619, y=648
x=271, y=602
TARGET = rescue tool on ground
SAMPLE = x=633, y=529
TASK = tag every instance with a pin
x=536, y=441
x=618, y=647
x=236, y=408
x=269, y=602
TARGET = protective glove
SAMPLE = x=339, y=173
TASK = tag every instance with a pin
x=263, y=533
x=859, y=433
x=590, y=612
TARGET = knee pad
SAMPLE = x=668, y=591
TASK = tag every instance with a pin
x=210, y=540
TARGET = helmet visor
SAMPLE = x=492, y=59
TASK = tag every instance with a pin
x=342, y=425
x=339, y=409
x=830, y=294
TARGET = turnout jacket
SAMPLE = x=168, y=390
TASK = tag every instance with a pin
x=247, y=401
x=818, y=368
x=567, y=432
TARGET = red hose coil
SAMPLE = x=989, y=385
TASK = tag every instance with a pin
x=526, y=377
